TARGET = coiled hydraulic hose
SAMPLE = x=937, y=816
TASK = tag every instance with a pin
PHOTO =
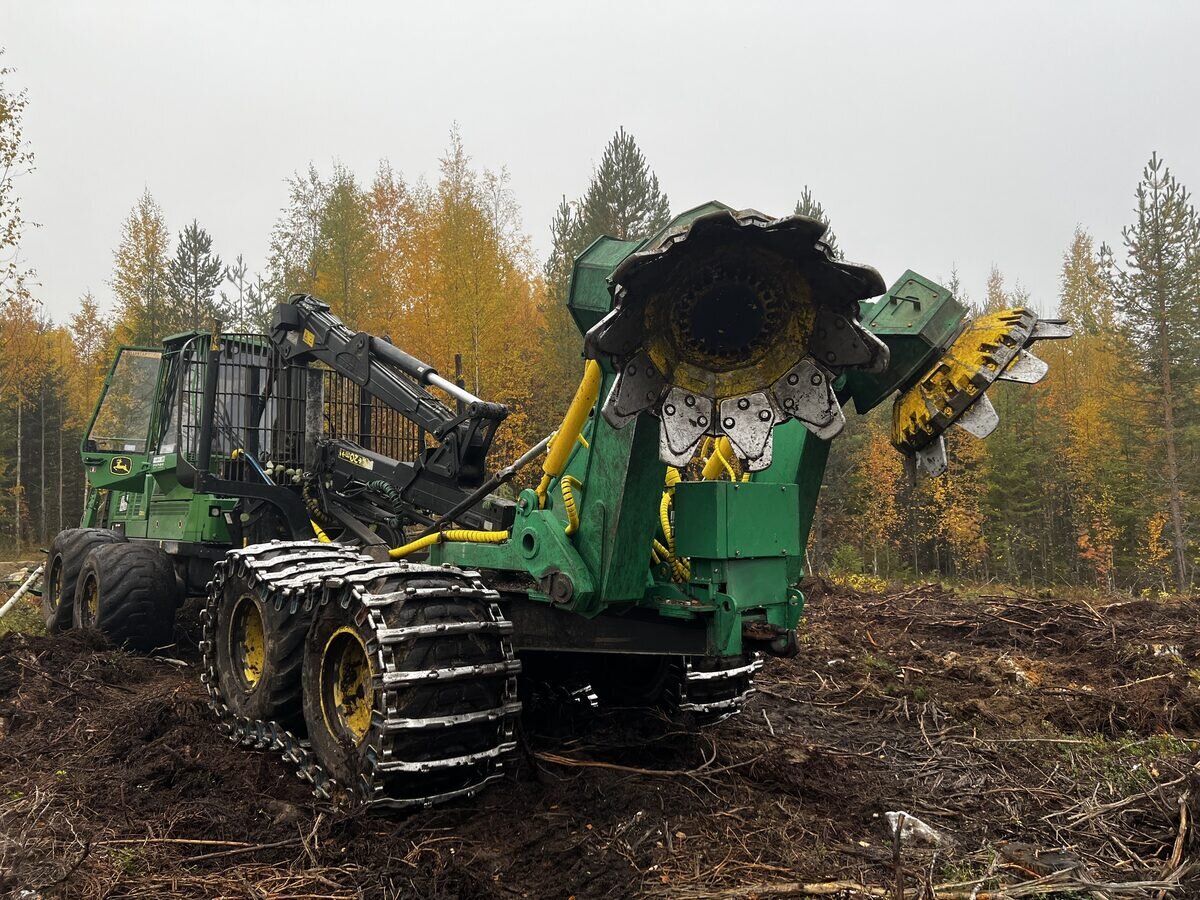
x=462, y=535
x=569, y=483
x=680, y=570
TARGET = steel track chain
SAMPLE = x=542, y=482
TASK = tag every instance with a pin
x=713, y=695
x=302, y=576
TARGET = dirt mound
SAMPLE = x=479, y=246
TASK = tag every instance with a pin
x=999, y=721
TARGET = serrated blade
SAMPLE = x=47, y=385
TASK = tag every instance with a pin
x=1025, y=369
x=980, y=419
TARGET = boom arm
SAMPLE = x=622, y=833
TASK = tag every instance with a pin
x=305, y=330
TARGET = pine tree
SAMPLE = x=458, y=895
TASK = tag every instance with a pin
x=1157, y=291
x=141, y=279
x=807, y=206
x=260, y=305
x=623, y=200
x=194, y=275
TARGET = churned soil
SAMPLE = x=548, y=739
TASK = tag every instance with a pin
x=1021, y=739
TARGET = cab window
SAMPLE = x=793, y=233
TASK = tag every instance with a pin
x=123, y=420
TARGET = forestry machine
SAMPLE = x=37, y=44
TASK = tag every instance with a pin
x=374, y=589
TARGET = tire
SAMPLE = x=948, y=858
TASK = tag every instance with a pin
x=129, y=593
x=445, y=735
x=261, y=683
x=63, y=565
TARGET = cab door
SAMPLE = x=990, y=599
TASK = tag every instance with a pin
x=114, y=449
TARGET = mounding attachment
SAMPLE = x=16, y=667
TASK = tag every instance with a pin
x=731, y=325
x=993, y=347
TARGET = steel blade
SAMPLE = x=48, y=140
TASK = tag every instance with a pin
x=685, y=419
x=1051, y=330
x=747, y=421
x=638, y=387
x=980, y=419
x=1025, y=369
x=931, y=459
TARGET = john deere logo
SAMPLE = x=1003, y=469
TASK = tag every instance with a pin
x=120, y=465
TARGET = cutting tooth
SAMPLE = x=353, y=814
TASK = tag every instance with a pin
x=840, y=342
x=747, y=421
x=638, y=387
x=1051, y=330
x=685, y=419
x=931, y=459
x=830, y=429
x=980, y=419
x=804, y=393
x=1025, y=368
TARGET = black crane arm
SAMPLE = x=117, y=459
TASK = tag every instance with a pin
x=304, y=329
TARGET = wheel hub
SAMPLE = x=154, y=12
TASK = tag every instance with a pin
x=91, y=600
x=346, y=694
x=248, y=642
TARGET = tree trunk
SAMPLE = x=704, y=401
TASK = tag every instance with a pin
x=1174, y=494
x=17, y=489
x=42, y=462
x=62, y=475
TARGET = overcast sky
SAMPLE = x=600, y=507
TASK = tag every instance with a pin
x=936, y=134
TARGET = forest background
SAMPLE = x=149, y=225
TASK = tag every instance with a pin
x=1092, y=478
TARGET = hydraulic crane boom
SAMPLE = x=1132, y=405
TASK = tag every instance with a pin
x=436, y=482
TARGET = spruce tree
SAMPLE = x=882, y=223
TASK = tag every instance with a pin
x=1156, y=291
x=623, y=200
x=194, y=275
x=808, y=206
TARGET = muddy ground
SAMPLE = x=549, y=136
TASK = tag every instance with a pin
x=1034, y=736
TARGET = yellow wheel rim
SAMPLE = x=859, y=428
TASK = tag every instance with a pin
x=91, y=600
x=54, y=588
x=346, y=694
x=248, y=642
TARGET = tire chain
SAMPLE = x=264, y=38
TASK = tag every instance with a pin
x=714, y=694
x=301, y=577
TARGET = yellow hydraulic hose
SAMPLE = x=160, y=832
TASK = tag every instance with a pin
x=464, y=536
x=722, y=453
x=679, y=567
x=569, y=483
x=664, y=520
x=569, y=431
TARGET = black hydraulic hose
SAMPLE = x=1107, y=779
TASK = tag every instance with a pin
x=504, y=475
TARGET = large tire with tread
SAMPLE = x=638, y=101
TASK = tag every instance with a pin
x=259, y=651
x=129, y=593
x=427, y=718
x=64, y=562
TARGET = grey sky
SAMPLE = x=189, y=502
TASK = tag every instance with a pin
x=935, y=134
